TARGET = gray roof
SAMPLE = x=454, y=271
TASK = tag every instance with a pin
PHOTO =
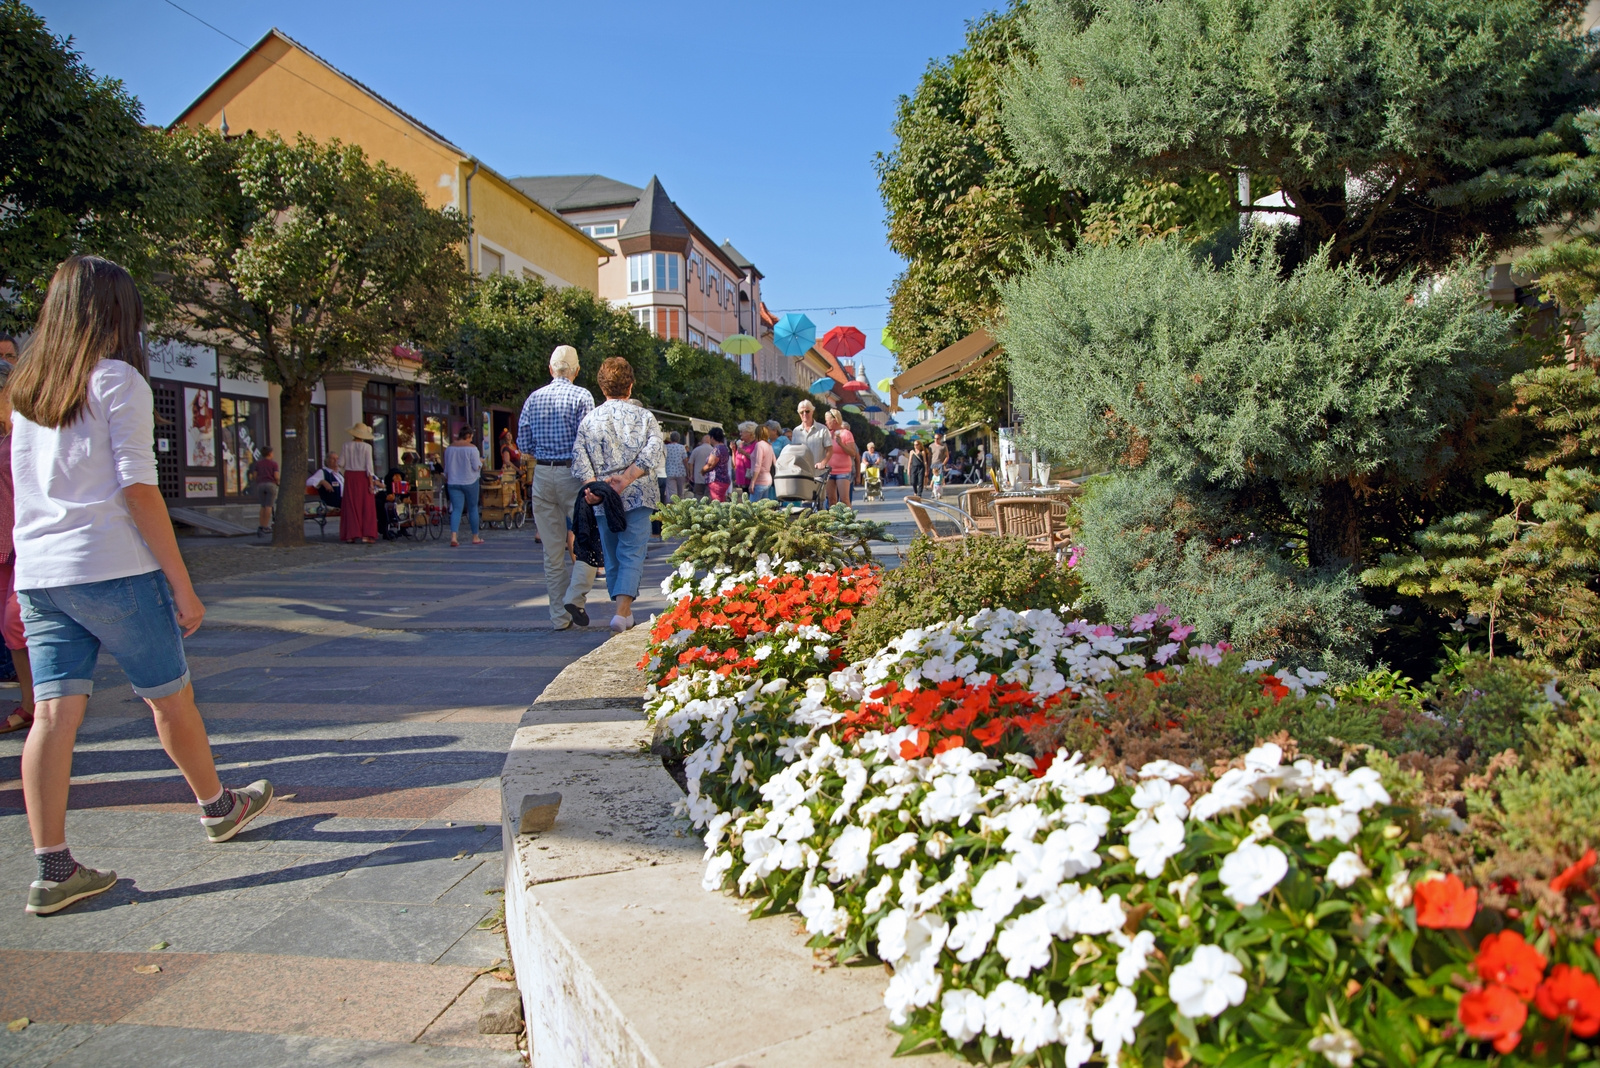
x=655, y=213
x=737, y=257
x=575, y=192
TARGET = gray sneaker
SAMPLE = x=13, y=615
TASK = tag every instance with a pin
x=249, y=802
x=45, y=897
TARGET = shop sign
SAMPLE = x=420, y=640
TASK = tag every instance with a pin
x=200, y=487
x=179, y=361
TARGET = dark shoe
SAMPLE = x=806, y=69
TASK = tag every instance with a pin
x=579, y=615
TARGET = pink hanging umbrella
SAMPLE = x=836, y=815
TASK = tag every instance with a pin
x=855, y=386
x=842, y=342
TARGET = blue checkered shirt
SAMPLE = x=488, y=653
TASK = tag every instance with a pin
x=550, y=419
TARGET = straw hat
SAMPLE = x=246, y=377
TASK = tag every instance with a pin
x=361, y=431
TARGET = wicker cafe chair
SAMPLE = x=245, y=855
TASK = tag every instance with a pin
x=939, y=522
x=976, y=503
x=1042, y=523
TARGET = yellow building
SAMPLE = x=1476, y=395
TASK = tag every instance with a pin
x=282, y=87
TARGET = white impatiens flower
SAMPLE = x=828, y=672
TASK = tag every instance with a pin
x=716, y=871
x=1332, y=822
x=848, y=855
x=997, y=892
x=1234, y=790
x=1164, y=769
x=1025, y=943
x=1153, y=841
x=1162, y=798
x=1072, y=1028
x=1086, y=912
x=1135, y=955
x=1251, y=871
x=1346, y=868
x=1399, y=889
x=970, y=936
x=1361, y=789
x=878, y=895
x=1208, y=983
x=892, y=936
x=962, y=1015
x=817, y=906
x=953, y=797
x=1340, y=1047
x=1014, y=1012
x=1114, y=1022
x=890, y=854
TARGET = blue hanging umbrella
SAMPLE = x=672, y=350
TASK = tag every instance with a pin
x=874, y=408
x=794, y=334
x=822, y=385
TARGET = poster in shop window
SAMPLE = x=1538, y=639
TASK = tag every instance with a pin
x=200, y=428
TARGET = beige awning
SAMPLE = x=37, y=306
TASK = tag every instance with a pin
x=948, y=364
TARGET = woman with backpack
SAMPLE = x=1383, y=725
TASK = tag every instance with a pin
x=97, y=565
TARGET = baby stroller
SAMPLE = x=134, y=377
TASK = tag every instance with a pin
x=795, y=478
x=873, y=478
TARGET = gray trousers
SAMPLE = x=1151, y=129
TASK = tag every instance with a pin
x=674, y=490
x=566, y=581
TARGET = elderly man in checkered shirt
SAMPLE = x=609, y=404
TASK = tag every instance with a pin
x=546, y=430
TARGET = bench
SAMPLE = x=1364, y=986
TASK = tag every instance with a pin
x=318, y=512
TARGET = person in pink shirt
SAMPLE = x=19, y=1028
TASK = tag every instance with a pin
x=753, y=442
x=842, y=460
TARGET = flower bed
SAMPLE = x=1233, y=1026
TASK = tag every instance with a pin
x=1052, y=907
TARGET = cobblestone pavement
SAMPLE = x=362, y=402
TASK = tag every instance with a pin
x=379, y=693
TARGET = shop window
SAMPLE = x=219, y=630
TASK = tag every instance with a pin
x=242, y=430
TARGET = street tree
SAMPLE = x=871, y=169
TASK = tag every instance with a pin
x=79, y=171
x=499, y=349
x=1391, y=129
x=308, y=260
x=968, y=212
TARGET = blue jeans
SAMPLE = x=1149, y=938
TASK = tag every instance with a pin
x=765, y=493
x=133, y=618
x=624, y=551
x=463, y=495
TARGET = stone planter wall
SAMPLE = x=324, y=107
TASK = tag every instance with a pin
x=621, y=957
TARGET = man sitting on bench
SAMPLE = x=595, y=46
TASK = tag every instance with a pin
x=328, y=482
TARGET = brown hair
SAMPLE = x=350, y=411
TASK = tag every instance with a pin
x=92, y=312
x=616, y=377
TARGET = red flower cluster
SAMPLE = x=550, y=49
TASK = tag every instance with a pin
x=723, y=622
x=951, y=714
x=1513, y=973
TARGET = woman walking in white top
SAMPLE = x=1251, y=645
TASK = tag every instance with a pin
x=358, y=508
x=97, y=565
x=463, y=465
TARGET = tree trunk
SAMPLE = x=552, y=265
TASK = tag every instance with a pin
x=294, y=410
x=1334, y=528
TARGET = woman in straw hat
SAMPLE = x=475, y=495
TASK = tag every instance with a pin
x=358, y=514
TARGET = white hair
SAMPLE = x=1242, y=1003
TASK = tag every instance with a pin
x=564, y=362
x=805, y=406
x=747, y=426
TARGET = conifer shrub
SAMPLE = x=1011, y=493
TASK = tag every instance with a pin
x=939, y=582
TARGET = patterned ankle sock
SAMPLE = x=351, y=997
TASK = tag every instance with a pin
x=57, y=865
x=220, y=805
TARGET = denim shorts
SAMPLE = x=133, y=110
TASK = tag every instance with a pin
x=132, y=618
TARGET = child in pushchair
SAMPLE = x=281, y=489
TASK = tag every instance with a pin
x=872, y=476
x=395, y=505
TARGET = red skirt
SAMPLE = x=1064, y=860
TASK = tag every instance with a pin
x=358, y=513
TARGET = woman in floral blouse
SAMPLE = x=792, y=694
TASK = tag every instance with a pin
x=620, y=444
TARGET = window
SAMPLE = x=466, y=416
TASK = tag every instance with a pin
x=642, y=316
x=668, y=323
x=696, y=340
x=730, y=292
x=656, y=271
x=605, y=229
x=489, y=261
x=713, y=283
x=243, y=429
x=666, y=272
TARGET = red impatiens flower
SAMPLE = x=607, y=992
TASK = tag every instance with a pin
x=1575, y=877
x=1493, y=1014
x=1273, y=687
x=1505, y=958
x=1445, y=903
x=1572, y=994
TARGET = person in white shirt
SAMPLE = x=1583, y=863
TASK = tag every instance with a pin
x=97, y=565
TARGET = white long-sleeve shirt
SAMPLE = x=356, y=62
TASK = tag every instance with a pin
x=72, y=520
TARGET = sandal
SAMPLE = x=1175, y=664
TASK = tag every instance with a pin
x=18, y=720
x=477, y=541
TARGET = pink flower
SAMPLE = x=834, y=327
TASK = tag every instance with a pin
x=1104, y=630
x=1144, y=622
x=1208, y=654
x=1180, y=633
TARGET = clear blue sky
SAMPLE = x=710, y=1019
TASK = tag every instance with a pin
x=761, y=119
